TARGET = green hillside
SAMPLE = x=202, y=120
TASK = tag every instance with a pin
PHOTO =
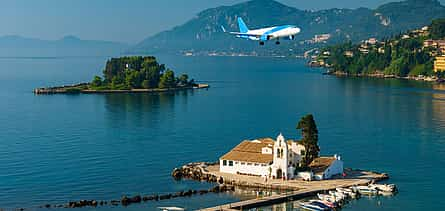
x=203, y=33
x=404, y=55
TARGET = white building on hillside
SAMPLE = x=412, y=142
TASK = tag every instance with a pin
x=263, y=157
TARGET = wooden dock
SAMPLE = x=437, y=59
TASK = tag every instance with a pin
x=276, y=199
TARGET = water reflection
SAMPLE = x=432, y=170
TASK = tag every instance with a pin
x=143, y=110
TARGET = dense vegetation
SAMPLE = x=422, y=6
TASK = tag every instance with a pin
x=438, y=29
x=403, y=55
x=138, y=72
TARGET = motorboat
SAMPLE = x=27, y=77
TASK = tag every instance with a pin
x=329, y=198
x=347, y=191
x=314, y=206
x=384, y=187
x=366, y=190
x=338, y=195
x=329, y=204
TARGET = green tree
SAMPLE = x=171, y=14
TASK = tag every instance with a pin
x=146, y=84
x=309, y=139
x=137, y=72
x=132, y=79
x=167, y=79
x=183, y=79
x=97, y=81
x=437, y=30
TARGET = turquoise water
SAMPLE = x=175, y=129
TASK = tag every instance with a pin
x=71, y=147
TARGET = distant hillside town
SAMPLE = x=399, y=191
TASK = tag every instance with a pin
x=417, y=54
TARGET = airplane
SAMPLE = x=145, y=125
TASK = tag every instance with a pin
x=286, y=32
x=171, y=208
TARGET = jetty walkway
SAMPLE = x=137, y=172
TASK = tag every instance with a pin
x=275, y=199
x=293, y=189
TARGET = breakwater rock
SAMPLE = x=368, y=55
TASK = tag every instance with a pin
x=196, y=171
x=137, y=199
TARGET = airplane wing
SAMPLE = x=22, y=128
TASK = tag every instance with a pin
x=251, y=36
x=246, y=35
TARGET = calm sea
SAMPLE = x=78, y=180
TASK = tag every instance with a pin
x=70, y=147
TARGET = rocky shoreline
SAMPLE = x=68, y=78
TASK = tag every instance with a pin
x=84, y=88
x=382, y=75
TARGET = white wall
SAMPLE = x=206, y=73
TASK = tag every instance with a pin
x=306, y=175
x=335, y=169
x=296, y=150
x=254, y=168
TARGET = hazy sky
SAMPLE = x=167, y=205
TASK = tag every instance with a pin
x=121, y=20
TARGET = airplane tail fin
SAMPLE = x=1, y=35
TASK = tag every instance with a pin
x=242, y=26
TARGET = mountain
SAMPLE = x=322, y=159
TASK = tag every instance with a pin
x=203, y=33
x=17, y=46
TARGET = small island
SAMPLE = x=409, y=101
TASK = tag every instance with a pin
x=131, y=74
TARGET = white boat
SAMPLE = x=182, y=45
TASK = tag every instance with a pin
x=171, y=208
x=366, y=190
x=329, y=198
x=347, y=191
x=329, y=204
x=338, y=195
x=384, y=187
x=313, y=206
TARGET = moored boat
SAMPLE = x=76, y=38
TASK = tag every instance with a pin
x=314, y=206
x=347, y=191
x=384, y=187
x=366, y=190
x=329, y=204
x=329, y=198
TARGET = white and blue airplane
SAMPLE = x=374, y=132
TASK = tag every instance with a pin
x=285, y=32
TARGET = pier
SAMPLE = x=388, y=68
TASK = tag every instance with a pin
x=296, y=189
x=270, y=200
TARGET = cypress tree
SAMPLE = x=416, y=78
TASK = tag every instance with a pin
x=309, y=139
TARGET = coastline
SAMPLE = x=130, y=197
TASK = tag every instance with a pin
x=380, y=75
x=83, y=88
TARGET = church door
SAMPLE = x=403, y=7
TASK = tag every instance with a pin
x=279, y=173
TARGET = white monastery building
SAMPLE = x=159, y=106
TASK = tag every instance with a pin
x=274, y=159
x=326, y=167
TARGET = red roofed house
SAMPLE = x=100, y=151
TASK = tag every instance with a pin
x=263, y=157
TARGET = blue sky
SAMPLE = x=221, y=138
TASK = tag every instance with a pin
x=121, y=20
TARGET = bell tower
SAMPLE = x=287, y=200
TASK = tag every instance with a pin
x=280, y=157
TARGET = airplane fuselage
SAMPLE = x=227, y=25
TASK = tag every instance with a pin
x=286, y=32
x=276, y=32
